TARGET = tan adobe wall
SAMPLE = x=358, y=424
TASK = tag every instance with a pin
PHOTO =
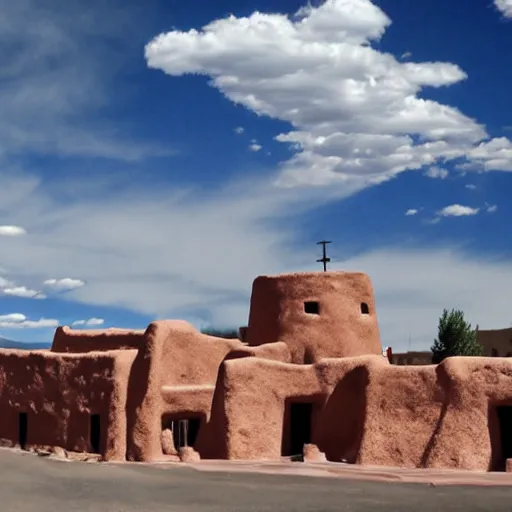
x=59, y=393
x=368, y=411
x=340, y=329
x=179, y=368
x=74, y=341
x=496, y=342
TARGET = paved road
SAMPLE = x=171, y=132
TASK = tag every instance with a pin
x=35, y=484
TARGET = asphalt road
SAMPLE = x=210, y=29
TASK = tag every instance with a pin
x=29, y=483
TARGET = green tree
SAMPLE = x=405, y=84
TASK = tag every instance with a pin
x=455, y=337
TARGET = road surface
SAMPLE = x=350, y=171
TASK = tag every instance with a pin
x=36, y=484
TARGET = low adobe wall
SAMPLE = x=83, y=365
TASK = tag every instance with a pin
x=68, y=340
x=59, y=392
x=367, y=411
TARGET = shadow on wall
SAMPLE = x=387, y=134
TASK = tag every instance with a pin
x=341, y=429
x=212, y=443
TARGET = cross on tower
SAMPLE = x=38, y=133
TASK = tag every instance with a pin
x=325, y=259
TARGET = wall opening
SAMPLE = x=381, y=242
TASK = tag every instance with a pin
x=494, y=353
x=312, y=307
x=22, y=429
x=300, y=426
x=505, y=423
x=365, y=310
x=184, y=430
x=94, y=433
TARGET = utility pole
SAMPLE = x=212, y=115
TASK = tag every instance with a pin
x=325, y=259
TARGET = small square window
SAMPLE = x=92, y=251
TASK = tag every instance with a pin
x=312, y=308
x=365, y=310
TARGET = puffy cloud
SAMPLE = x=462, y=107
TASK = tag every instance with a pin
x=436, y=172
x=494, y=154
x=492, y=208
x=505, y=7
x=356, y=112
x=239, y=130
x=64, y=284
x=255, y=147
x=23, y=291
x=12, y=231
x=406, y=55
x=20, y=321
x=470, y=186
x=457, y=210
x=411, y=211
x=89, y=322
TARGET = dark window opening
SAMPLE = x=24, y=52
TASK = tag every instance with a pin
x=22, y=429
x=312, y=307
x=95, y=433
x=505, y=422
x=509, y=354
x=365, y=310
x=300, y=427
x=184, y=430
x=494, y=353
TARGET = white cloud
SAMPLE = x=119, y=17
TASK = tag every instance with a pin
x=406, y=55
x=239, y=130
x=12, y=231
x=470, y=186
x=457, y=210
x=22, y=291
x=494, y=154
x=20, y=321
x=411, y=211
x=89, y=322
x=255, y=147
x=357, y=115
x=436, y=172
x=65, y=284
x=505, y=7
x=492, y=208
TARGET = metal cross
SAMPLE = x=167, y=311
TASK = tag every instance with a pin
x=325, y=259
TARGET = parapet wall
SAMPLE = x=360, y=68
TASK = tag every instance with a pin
x=68, y=340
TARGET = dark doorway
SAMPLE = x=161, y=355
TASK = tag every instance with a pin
x=184, y=430
x=365, y=310
x=505, y=421
x=312, y=308
x=300, y=426
x=95, y=433
x=22, y=429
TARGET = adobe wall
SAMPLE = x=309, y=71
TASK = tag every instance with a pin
x=69, y=340
x=340, y=329
x=370, y=412
x=177, y=370
x=59, y=393
x=498, y=339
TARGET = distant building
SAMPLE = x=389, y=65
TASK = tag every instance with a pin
x=412, y=358
x=496, y=342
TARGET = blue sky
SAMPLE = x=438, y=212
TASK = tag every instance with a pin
x=155, y=158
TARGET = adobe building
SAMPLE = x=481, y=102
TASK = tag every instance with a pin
x=496, y=342
x=310, y=372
